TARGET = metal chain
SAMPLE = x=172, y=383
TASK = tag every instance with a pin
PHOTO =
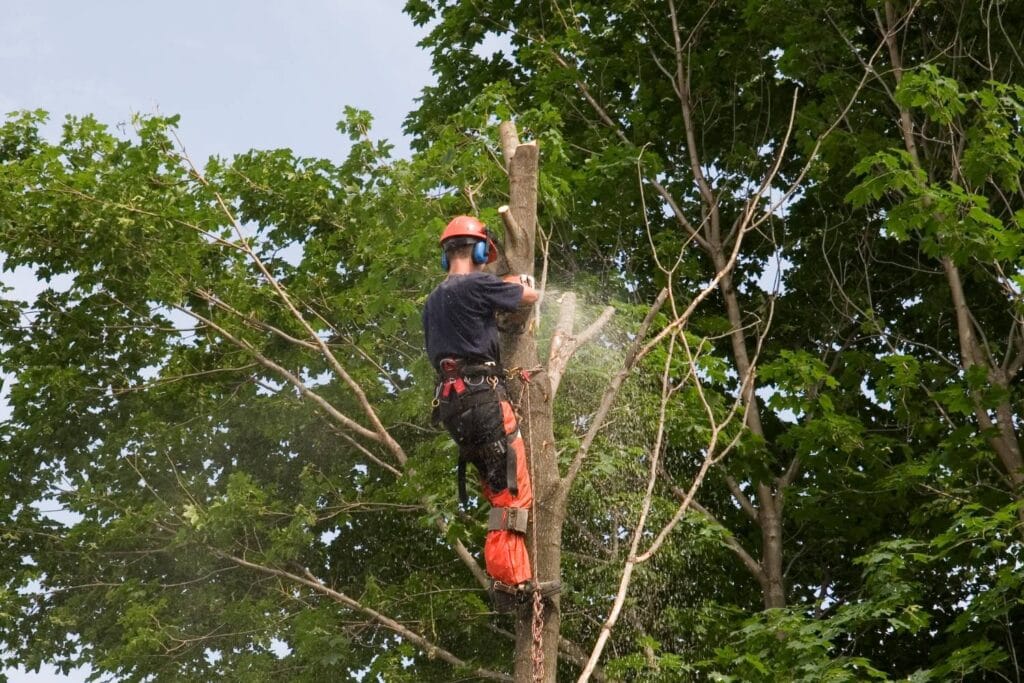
x=538, y=638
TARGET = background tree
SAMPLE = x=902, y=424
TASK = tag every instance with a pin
x=224, y=379
x=182, y=390
x=838, y=465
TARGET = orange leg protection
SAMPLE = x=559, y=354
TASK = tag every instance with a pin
x=505, y=551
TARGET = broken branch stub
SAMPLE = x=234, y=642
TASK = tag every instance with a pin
x=522, y=205
x=509, y=141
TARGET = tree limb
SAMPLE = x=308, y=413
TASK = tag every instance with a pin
x=677, y=211
x=752, y=565
x=383, y=436
x=741, y=497
x=638, y=532
x=509, y=141
x=564, y=344
x=609, y=396
x=310, y=581
x=316, y=398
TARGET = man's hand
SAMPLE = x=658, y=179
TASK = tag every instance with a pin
x=530, y=293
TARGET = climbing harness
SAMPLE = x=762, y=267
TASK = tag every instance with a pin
x=463, y=387
x=489, y=437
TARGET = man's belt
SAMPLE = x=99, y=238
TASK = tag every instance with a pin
x=457, y=391
x=452, y=367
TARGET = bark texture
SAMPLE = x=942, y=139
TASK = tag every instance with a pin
x=519, y=350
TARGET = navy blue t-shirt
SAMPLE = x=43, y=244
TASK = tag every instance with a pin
x=458, y=320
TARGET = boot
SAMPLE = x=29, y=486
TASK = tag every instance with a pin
x=545, y=588
x=504, y=598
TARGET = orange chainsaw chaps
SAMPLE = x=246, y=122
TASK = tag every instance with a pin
x=505, y=551
x=506, y=557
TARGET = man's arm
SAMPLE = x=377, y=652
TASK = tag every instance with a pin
x=530, y=295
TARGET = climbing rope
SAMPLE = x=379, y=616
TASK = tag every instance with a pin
x=524, y=376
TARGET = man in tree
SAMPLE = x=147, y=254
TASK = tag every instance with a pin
x=472, y=399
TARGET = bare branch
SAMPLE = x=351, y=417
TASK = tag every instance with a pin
x=369, y=456
x=609, y=396
x=509, y=141
x=514, y=235
x=677, y=211
x=383, y=436
x=304, y=390
x=682, y=85
x=564, y=344
x=310, y=581
x=638, y=532
x=179, y=378
x=467, y=558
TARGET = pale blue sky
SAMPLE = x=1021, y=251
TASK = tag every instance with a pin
x=242, y=73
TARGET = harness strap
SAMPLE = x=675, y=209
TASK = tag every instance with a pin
x=454, y=402
x=502, y=446
x=463, y=496
x=511, y=464
x=456, y=386
x=512, y=519
x=460, y=367
x=503, y=587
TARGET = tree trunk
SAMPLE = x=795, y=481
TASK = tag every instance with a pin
x=769, y=512
x=519, y=350
x=770, y=521
x=1005, y=443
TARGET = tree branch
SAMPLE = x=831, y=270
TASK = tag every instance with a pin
x=383, y=436
x=638, y=532
x=677, y=211
x=741, y=497
x=564, y=344
x=609, y=396
x=509, y=141
x=310, y=581
x=752, y=565
x=316, y=398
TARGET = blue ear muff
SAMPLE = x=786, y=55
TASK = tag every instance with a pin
x=480, y=252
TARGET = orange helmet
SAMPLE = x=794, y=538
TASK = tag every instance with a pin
x=468, y=226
